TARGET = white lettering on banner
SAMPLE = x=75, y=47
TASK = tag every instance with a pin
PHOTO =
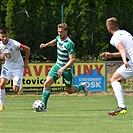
x=89, y=79
x=93, y=84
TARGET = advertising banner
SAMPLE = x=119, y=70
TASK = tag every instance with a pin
x=91, y=73
x=35, y=75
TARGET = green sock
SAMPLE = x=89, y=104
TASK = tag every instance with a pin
x=79, y=88
x=45, y=96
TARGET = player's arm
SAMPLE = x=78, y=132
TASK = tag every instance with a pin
x=122, y=51
x=69, y=63
x=51, y=43
x=108, y=55
x=27, y=54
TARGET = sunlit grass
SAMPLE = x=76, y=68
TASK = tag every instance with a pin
x=66, y=114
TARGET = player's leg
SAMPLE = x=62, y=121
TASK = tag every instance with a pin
x=77, y=88
x=17, y=76
x=121, y=74
x=5, y=76
x=2, y=97
x=51, y=78
x=20, y=91
x=17, y=85
x=117, y=87
x=46, y=90
x=82, y=87
x=70, y=87
x=2, y=92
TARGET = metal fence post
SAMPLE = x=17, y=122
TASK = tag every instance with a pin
x=62, y=12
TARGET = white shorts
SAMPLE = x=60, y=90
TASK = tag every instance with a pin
x=15, y=74
x=124, y=72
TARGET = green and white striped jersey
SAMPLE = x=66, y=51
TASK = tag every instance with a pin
x=64, y=49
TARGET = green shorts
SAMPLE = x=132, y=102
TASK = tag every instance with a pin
x=67, y=75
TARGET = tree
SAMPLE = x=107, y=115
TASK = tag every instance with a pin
x=33, y=22
x=2, y=12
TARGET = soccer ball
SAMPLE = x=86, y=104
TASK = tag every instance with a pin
x=38, y=106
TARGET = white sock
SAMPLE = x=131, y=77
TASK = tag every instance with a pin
x=2, y=97
x=118, y=93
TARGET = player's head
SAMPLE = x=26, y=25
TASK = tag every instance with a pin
x=112, y=24
x=4, y=37
x=62, y=30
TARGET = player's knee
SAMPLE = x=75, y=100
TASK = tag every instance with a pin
x=2, y=86
x=15, y=89
x=112, y=79
x=47, y=85
x=70, y=90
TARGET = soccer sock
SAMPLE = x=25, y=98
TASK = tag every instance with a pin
x=79, y=88
x=45, y=96
x=2, y=97
x=118, y=93
x=20, y=88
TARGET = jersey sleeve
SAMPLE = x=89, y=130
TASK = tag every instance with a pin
x=114, y=41
x=70, y=48
x=57, y=38
x=18, y=45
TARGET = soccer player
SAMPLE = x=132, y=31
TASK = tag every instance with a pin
x=123, y=41
x=14, y=64
x=63, y=66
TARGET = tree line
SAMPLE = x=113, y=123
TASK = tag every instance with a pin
x=33, y=22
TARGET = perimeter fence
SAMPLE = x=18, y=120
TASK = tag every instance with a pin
x=34, y=25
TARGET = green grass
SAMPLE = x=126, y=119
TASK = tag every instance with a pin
x=66, y=114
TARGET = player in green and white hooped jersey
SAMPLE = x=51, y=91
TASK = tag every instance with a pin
x=64, y=64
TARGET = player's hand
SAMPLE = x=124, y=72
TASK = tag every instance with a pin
x=25, y=64
x=42, y=45
x=106, y=55
x=1, y=57
x=60, y=71
x=127, y=65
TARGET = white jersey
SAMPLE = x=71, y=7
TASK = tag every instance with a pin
x=126, y=39
x=12, y=54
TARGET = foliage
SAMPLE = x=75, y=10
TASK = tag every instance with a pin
x=33, y=22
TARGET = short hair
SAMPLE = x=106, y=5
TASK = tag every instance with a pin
x=3, y=31
x=63, y=25
x=112, y=23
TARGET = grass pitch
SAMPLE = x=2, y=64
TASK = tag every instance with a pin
x=66, y=114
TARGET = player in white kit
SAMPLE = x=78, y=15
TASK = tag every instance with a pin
x=123, y=41
x=14, y=64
